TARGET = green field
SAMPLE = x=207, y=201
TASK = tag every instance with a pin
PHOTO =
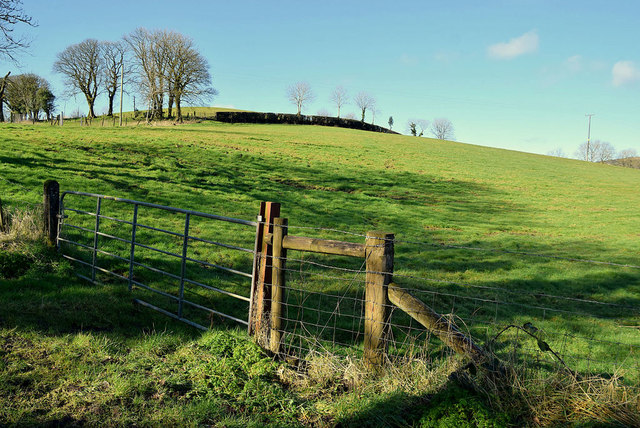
x=493, y=237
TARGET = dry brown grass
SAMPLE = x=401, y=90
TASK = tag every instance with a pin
x=324, y=374
x=22, y=225
x=533, y=396
x=605, y=401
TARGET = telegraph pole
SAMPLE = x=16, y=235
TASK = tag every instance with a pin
x=589, y=136
x=121, y=84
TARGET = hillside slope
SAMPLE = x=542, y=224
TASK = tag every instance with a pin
x=339, y=178
x=492, y=238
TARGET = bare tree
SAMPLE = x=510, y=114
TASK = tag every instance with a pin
x=558, y=153
x=390, y=122
x=364, y=102
x=149, y=67
x=81, y=65
x=323, y=112
x=423, y=125
x=350, y=116
x=626, y=157
x=300, y=94
x=442, y=129
x=417, y=127
x=374, y=111
x=168, y=64
x=11, y=13
x=596, y=151
x=604, y=152
x=113, y=56
x=583, y=152
x=188, y=75
x=339, y=97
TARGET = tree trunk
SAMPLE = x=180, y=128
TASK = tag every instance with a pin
x=178, y=110
x=111, y=96
x=159, y=101
x=169, y=106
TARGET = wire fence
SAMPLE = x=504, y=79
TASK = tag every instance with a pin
x=519, y=304
x=555, y=311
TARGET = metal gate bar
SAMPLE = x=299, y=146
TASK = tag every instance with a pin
x=182, y=278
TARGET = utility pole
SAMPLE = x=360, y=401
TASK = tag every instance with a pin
x=121, y=84
x=589, y=136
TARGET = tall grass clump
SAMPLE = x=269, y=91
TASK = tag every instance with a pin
x=22, y=242
x=21, y=226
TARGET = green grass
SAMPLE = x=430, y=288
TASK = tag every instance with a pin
x=426, y=191
x=131, y=119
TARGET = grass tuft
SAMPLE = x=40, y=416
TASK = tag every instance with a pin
x=23, y=226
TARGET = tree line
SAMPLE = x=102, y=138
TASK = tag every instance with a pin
x=163, y=66
x=300, y=94
x=26, y=95
x=600, y=151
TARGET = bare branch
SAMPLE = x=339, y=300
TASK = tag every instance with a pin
x=339, y=97
x=364, y=101
x=81, y=66
x=300, y=94
x=442, y=129
x=11, y=13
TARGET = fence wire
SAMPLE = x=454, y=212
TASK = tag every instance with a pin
x=590, y=322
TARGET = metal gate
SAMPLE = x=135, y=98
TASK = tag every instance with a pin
x=188, y=265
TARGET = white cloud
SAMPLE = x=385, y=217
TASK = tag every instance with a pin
x=624, y=73
x=407, y=59
x=574, y=63
x=526, y=43
x=446, y=57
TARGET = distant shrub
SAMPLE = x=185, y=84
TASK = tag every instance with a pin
x=294, y=119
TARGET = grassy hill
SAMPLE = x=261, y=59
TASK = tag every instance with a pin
x=502, y=227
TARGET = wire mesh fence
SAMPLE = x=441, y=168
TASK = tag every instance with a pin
x=528, y=308
x=544, y=308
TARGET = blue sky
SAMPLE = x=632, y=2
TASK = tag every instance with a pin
x=517, y=74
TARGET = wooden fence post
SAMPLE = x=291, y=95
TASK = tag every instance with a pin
x=261, y=287
x=278, y=282
x=379, y=264
x=51, y=202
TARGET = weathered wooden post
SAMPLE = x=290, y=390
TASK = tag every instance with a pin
x=261, y=285
x=3, y=219
x=278, y=282
x=379, y=264
x=51, y=202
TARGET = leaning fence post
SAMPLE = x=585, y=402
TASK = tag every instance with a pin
x=278, y=282
x=51, y=202
x=379, y=265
